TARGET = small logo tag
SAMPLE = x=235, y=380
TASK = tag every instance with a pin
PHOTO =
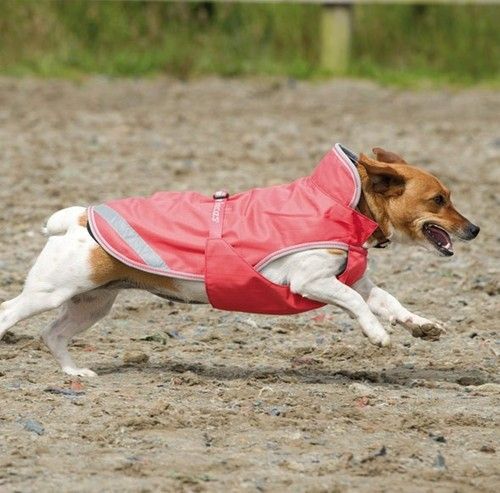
x=216, y=212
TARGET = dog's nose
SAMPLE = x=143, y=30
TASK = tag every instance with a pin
x=472, y=231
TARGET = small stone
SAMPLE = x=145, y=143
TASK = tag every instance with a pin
x=34, y=426
x=159, y=338
x=174, y=334
x=277, y=411
x=76, y=386
x=135, y=358
x=380, y=453
x=437, y=437
x=359, y=389
x=488, y=388
x=440, y=463
x=251, y=322
x=65, y=392
x=8, y=355
x=487, y=449
x=281, y=330
x=467, y=380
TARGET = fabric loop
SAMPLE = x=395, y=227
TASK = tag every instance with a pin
x=217, y=216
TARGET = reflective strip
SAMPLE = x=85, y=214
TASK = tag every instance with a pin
x=130, y=236
x=299, y=248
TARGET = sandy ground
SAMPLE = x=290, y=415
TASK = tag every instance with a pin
x=239, y=402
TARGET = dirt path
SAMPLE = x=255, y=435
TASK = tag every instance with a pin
x=237, y=402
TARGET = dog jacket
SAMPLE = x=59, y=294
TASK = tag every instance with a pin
x=226, y=241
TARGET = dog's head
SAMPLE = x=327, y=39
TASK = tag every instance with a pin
x=411, y=205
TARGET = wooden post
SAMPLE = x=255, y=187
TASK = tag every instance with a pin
x=336, y=28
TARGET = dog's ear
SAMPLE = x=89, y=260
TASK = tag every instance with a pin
x=382, y=178
x=387, y=156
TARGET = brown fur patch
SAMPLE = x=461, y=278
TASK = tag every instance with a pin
x=336, y=251
x=387, y=156
x=82, y=220
x=106, y=269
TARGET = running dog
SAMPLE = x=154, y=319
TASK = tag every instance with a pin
x=278, y=250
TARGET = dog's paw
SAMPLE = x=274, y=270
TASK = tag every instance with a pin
x=384, y=340
x=80, y=372
x=377, y=335
x=424, y=329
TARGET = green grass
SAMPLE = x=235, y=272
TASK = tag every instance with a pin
x=395, y=44
x=457, y=44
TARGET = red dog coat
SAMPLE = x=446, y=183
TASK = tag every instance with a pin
x=227, y=241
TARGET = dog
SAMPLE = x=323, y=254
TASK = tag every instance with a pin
x=383, y=200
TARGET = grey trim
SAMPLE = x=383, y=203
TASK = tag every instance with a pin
x=350, y=154
x=351, y=161
x=319, y=245
x=130, y=236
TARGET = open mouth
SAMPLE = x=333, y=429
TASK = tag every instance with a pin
x=439, y=238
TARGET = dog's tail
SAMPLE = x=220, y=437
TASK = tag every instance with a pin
x=62, y=220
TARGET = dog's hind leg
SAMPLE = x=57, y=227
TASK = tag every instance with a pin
x=60, y=272
x=77, y=314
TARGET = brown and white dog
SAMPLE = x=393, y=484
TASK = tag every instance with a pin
x=73, y=272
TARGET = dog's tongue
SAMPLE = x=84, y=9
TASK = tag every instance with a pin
x=441, y=237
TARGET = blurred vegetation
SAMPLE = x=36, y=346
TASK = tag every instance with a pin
x=391, y=43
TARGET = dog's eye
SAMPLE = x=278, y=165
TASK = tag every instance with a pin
x=439, y=199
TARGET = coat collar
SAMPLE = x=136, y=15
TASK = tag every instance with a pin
x=337, y=176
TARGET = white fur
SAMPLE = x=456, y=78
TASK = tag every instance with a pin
x=385, y=305
x=60, y=277
x=62, y=220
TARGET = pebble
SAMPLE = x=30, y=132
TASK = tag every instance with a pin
x=277, y=411
x=380, y=453
x=470, y=380
x=488, y=388
x=252, y=323
x=487, y=449
x=135, y=357
x=440, y=463
x=174, y=334
x=34, y=426
x=155, y=338
x=8, y=356
x=360, y=389
x=437, y=437
x=66, y=392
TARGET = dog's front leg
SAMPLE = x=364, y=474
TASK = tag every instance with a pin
x=387, y=306
x=332, y=291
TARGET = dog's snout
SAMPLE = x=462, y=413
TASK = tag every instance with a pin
x=472, y=231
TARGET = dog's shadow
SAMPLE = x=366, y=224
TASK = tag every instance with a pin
x=395, y=376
